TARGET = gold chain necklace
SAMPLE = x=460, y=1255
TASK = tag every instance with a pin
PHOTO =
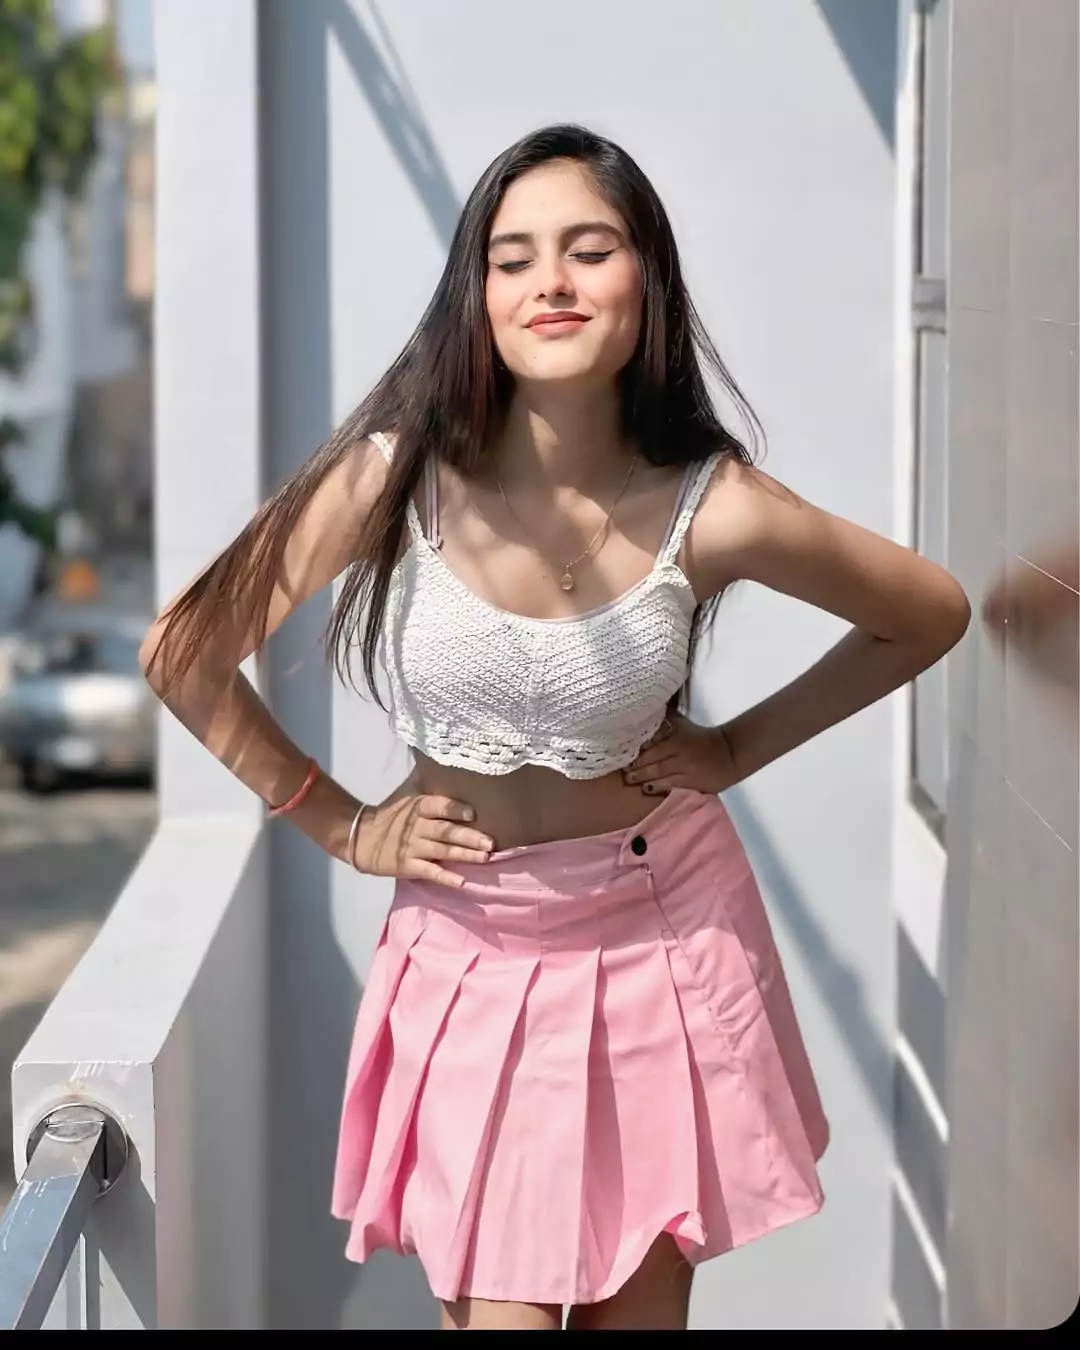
x=566, y=581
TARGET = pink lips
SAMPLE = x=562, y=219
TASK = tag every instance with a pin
x=562, y=321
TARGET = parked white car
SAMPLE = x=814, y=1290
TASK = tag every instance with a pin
x=76, y=703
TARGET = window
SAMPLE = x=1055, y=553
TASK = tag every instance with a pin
x=929, y=722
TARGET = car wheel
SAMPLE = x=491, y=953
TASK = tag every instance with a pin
x=38, y=777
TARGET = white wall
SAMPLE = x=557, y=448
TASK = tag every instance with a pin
x=761, y=124
x=207, y=369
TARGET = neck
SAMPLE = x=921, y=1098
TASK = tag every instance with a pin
x=565, y=440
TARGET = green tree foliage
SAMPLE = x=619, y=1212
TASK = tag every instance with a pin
x=51, y=86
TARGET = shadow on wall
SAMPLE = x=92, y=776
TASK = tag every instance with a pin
x=395, y=105
x=312, y=1285
x=837, y=982
x=867, y=34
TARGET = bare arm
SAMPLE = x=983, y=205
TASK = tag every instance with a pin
x=905, y=614
x=220, y=708
x=216, y=702
x=905, y=611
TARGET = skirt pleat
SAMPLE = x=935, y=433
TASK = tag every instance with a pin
x=768, y=1129
x=640, y=1107
x=459, y=1110
x=426, y=990
x=369, y=1059
x=530, y=1195
x=589, y=1044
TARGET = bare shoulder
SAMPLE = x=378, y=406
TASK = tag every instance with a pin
x=358, y=479
x=345, y=495
x=332, y=499
x=329, y=531
x=741, y=508
x=752, y=527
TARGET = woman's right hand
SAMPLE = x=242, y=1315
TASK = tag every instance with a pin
x=410, y=834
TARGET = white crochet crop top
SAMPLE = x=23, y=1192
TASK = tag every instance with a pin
x=478, y=687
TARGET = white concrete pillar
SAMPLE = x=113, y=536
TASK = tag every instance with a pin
x=208, y=347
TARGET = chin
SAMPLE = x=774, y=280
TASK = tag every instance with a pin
x=563, y=374
x=566, y=368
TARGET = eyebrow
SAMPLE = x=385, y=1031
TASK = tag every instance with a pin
x=571, y=232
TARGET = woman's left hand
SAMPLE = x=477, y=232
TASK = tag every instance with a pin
x=683, y=755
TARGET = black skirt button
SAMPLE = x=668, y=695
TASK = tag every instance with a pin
x=638, y=844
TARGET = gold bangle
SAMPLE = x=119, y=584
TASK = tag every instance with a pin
x=354, y=830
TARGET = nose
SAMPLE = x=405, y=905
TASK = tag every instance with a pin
x=553, y=278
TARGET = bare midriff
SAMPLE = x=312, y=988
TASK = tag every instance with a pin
x=534, y=805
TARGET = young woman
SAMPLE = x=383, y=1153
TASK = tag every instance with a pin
x=576, y=1071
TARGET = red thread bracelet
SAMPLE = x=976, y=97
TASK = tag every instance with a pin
x=294, y=801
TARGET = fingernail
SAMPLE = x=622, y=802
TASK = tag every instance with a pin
x=470, y=814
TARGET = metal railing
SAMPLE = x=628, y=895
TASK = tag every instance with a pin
x=74, y=1155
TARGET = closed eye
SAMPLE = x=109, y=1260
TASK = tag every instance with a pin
x=590, y=257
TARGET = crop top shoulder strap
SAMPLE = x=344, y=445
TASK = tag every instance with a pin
x=416, y=528
x=695, y=481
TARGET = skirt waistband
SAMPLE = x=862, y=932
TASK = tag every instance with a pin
x=575, y=864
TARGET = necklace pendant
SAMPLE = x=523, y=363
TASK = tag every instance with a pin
x=567, y=580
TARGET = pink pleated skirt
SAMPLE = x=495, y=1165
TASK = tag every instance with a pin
x=589, y=1044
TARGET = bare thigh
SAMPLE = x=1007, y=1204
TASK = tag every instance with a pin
x=655, y=1298
x=481, y=1314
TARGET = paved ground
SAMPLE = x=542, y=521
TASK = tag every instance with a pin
x=63, y=861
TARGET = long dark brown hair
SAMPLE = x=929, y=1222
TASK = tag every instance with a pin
x=446, y=394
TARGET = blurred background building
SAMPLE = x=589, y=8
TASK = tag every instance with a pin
x=877, y=202
x=85, y=399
